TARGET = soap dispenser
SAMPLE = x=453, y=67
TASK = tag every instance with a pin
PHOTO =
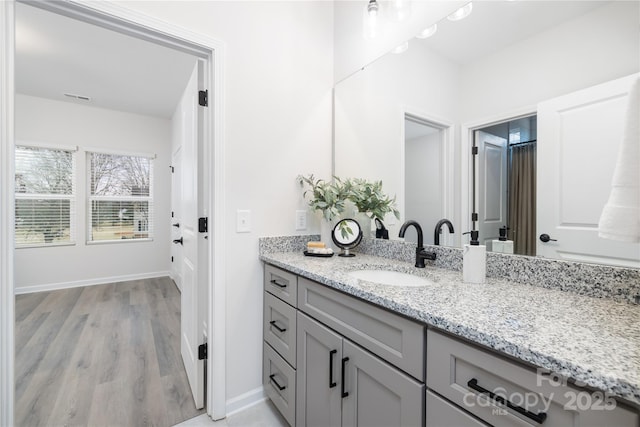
x=474, y=260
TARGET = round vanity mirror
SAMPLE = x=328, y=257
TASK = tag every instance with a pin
x=347, y=234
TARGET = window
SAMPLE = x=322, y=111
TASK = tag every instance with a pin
x=120, y=197
x=44, y=196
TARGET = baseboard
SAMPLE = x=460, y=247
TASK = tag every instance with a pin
x=245, y=401
x=88, y=282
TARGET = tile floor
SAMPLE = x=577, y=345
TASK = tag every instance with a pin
x=263, y=414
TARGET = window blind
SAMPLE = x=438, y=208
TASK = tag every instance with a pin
x=120, y=197
x=45, y=197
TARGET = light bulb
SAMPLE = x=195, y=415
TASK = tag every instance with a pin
x=461, y=13
x=372, y=8
x=400, y=48
x=428, y=32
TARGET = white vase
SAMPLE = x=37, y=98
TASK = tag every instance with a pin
x=365, y=224
x=326, y=229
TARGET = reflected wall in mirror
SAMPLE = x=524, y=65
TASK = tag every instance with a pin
x=496, y=65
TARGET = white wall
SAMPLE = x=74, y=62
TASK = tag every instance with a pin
x=65, y=123
x=596, y=47
x=277, y=119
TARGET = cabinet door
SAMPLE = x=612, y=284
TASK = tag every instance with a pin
x=378, y=394
x=318, y=376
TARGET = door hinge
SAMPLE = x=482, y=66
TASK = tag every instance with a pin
x=203, y=224
x=202, y=351
x=474, y=216
x=474, y=150
x=203, y=98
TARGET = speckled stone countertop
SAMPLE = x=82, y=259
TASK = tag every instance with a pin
x=594, y=341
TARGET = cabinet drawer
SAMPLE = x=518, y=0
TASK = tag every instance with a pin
x=280, y=327
x=441, y=413
x=393, y=338
x=280, y=283
x=279, y=380
x=466, y=375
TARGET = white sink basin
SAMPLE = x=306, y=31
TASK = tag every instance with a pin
x=391, y=278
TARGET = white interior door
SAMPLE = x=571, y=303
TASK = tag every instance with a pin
x=176, y=208
x=579, y=135
x=191, y=316
x=492, y=186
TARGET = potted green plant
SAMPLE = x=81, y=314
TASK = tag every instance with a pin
x=324, y=196
x=369, y=198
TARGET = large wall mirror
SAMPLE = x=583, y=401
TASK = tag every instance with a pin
x=511, y=78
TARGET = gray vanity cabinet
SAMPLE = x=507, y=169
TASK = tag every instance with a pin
x=318, y=382
x=378, y=393
x=341, y=384
x=504, y=393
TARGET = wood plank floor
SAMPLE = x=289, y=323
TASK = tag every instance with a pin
x=106, y=355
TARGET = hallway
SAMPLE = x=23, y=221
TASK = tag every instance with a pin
x=101, y=355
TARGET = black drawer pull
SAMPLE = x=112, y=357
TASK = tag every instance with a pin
x=273, y=323
x=273, y=380
x=280, y=285
x=344, y=363
x=539, y=418
x=332, y=383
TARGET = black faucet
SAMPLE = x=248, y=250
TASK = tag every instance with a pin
x=421, y=254
x=438, y=230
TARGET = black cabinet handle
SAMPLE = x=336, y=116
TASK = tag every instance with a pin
x=178, y=241
x=273, y=323
x=344, y=364
x=273, y=380
x=177, y=224
x=332, y=383
x=539, y=417
x=546, y=238
x=280, y=285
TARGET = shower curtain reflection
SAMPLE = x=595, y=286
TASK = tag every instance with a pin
x=522, y=197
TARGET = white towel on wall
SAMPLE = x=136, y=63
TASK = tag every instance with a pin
x=620, y=218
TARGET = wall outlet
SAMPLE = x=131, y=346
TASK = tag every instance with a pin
x=243, y=221
x=301, y=220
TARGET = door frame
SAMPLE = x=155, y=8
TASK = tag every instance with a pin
x=446, y=161
x=467, y=131
x=127, y=21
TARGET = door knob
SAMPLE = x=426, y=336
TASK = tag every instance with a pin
x=178, y=240
x=177, y=225
x=546, y=238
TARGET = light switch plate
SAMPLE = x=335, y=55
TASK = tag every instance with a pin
x=301, y=220
x=243, y=221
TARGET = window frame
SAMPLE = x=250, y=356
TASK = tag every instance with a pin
x=73, y=197
x=150, y=199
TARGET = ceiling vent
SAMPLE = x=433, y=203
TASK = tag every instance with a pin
x=78, y=97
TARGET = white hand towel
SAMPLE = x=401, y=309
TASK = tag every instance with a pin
x=620, y=218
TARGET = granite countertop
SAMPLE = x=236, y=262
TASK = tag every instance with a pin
x=594, y=341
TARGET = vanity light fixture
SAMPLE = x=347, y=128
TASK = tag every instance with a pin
x=461, y=13
x=401, y=48
x=371, y=16
x=373, y=8
x=428, y=32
